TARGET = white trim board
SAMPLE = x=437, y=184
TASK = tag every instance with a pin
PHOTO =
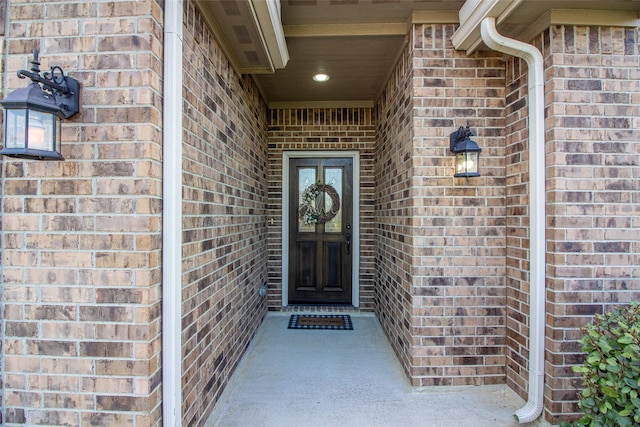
x=355, y=278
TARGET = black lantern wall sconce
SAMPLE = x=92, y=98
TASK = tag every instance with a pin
x=33, y=114
x=467, y=152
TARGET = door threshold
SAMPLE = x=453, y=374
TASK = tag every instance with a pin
x=320, y=308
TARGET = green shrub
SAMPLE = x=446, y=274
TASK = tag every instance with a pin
x=611, y=370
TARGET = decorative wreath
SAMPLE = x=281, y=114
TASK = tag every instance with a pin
x=312, y=209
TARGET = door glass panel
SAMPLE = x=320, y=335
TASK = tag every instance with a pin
x=333, y=177
x=306, y=177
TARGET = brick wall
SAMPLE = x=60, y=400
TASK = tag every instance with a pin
x=592, y=165
x=81, y=238
x=517, y=242
x=444, y=261
x=441, y=251
x=394, y=161
x=317, y=129
x=593, y=190
x=458, y=223
x=224, y=218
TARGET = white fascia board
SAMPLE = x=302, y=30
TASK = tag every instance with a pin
x=434, y=17
x=267, y=14
x=607, y=18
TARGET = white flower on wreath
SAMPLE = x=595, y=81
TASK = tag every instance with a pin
x=309, y=211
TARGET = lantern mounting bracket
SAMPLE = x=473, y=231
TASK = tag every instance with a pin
x=65, y=89
x=459, y=136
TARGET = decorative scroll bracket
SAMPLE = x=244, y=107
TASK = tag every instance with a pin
x=65, y=89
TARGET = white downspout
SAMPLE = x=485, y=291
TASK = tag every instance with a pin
x=533, y=57
x=172, y=217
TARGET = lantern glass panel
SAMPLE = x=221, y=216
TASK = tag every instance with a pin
x=42, y=131
x=461, y=166
x=14, y=129
x=472, y=161
x=467, y=163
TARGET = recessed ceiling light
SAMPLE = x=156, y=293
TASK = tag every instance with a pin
x=321, y=77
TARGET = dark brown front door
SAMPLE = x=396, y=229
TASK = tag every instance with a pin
x=320, y=231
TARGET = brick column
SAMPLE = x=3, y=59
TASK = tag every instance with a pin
x=593, y=166
x=81, y=237
x=592, y=98
x=441, y=254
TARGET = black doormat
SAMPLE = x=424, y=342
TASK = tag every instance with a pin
x=321, y=321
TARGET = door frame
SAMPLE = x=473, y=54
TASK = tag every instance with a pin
x=355, y=253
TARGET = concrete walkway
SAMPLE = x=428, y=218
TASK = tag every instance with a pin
x=345, y=378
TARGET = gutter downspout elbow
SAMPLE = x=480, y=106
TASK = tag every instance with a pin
x=536, y=125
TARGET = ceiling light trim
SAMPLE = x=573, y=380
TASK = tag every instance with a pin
x=321, y=77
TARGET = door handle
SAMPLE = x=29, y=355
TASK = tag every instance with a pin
x=348, y=239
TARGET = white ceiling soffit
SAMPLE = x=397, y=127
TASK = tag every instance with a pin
x=250, y=33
